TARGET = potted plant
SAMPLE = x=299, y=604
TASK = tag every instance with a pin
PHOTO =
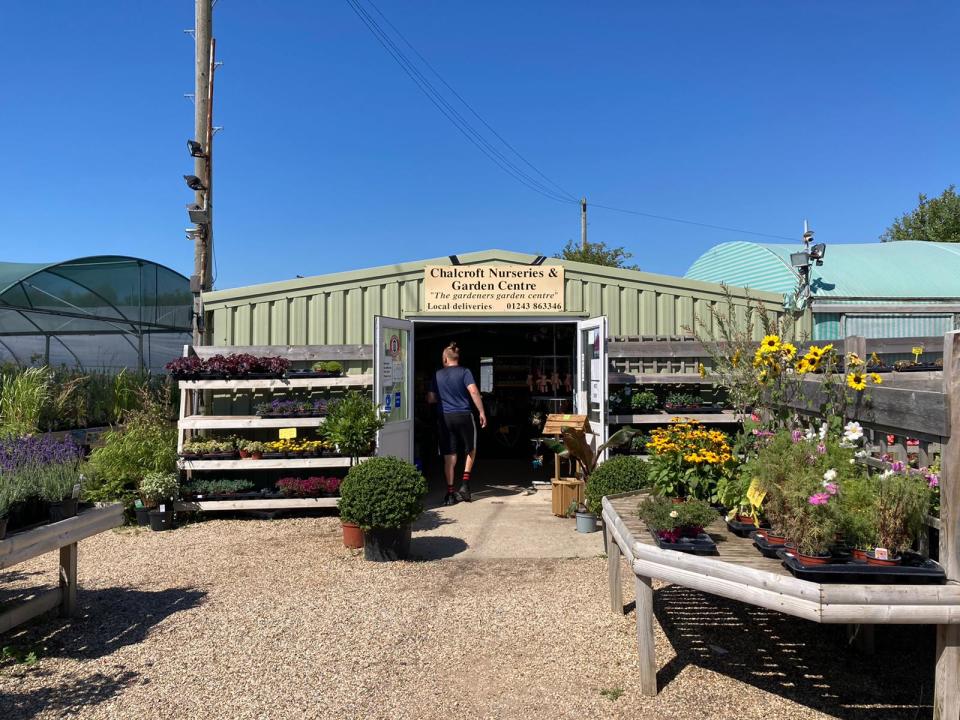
x=644, y=401
x=59, y=485
x=812, y=522
x=352, y=424
x=679, y=526
x=900, y=507
x=251, y=449
x=682, y=402
x=159, y=489
x=688, y=460
x=619, y=474
x=10, y=493
x=383, y=496
x=185, y=368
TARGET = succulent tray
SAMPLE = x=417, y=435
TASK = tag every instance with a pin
x=915, y=570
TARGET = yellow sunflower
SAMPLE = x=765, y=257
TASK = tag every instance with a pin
x=877, y=380
x=788, y=350
x=857, y=380
x=802, y=366
x=770, y=343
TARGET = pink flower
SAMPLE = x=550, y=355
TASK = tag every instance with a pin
x=796, y=436
x=820, y=498
x=897, y=466
x=754, y=417
x=831, y=488
x=822, y=449
x=933, y=480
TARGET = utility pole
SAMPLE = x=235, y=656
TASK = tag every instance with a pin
x=202, y=279
x=583, y=223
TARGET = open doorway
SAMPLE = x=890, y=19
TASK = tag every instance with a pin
x=524, y=371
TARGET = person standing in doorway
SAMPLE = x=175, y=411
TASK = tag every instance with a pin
x=452, y=389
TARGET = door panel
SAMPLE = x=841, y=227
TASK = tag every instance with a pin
x=590, y=398
x=393, y=385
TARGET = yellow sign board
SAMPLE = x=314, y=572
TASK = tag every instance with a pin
x=288, y=433
x=755, y=495
x=493, y=288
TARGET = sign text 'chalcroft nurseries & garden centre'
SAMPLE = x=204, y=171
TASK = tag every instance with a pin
x=493, y=288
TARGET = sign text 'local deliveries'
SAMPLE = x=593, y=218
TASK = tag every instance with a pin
x=493, y=288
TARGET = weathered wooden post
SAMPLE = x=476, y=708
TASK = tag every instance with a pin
x=946, y=701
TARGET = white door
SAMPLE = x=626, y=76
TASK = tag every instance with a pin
x=590, y=398
x=393, y=385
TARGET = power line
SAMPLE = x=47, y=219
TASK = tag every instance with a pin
x=449, y=111
x=688, y=222
x=469, y=106
x=557, y=192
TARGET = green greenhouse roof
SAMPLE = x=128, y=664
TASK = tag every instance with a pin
x=897, y=270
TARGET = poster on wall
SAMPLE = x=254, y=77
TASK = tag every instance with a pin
x=493, y=288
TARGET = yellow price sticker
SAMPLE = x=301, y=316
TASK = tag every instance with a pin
x=755, y=495
x=288, y=433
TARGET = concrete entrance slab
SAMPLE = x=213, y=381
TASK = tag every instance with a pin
x=503, y=521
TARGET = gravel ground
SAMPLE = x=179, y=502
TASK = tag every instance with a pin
x=275, y=619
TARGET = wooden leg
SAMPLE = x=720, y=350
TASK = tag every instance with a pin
x=68, y=580
x=645, y=637
x=613, y=573
x=946, y=688
x=861, y=637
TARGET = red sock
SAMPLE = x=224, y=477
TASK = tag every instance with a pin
x=466, y=476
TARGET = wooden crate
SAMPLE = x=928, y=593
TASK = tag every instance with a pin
x=556, y=422
x=564, y=492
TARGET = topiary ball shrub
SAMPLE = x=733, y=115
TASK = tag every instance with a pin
x=619, y=474
x=382, y=492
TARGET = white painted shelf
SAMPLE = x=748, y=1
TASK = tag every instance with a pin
x=267, y=464
x=228, y=422
x=256, y=504
x=277, y=384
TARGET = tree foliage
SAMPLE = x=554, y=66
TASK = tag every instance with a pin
x=936, y=220
x=597, y=254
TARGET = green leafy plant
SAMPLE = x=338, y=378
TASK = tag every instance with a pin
x=159, y=486
x=673, y=520
x=688, y=460
x=352, y=424
x=575, y=444
x=681, y=399
x=382, y=492
x=22, y=399
x=900, y=508
x=619, y=474
x=146, y=442
x=217, y=487
x=644, y=401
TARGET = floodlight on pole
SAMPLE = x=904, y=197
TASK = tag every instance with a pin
x=195, y=149
x=195, y=183
x=198, y=214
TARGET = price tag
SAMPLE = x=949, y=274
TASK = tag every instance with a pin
x=881, y=554
x=163, y=508
x=755, y=495
x=287, y=433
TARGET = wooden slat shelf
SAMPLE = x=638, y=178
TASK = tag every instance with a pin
x=725, y=416
x=619, y=378
x=276, y=464
x=252, y=422
x=256, y=504
x=277, y=384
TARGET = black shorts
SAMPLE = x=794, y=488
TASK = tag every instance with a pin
x=458, y=433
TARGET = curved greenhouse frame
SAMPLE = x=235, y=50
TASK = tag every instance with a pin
x=106, y=312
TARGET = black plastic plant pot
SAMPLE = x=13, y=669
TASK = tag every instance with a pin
x=3, y=526
x=386, y=544
x=143, y=516
x=161, y=520
x=63, y=509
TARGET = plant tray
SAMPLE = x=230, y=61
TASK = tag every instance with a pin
x=274, y=455
x=741, y=529
x=690, y=409
x=922, y=367
x=703, y=544
x=258, y=376
x=920, y=572
x=312, y=374
x=766, y=549
x=219, y=456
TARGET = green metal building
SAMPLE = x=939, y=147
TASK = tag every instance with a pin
x=339, y=308
x=877, y=290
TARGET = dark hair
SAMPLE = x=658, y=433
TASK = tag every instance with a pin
x=452, y=352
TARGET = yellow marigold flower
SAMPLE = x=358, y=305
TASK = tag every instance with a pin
x=877, y=380
x=735, y=360
x=788, y=350
x=857, y=380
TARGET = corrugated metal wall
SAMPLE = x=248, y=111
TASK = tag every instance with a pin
x=335, y=311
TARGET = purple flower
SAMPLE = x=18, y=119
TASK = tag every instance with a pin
x=831, y=488
x=820, y=498
x=822, y=449
x=933, y=480
x=897, y=466
x=796, y=436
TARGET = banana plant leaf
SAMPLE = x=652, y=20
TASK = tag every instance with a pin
x=575, y=445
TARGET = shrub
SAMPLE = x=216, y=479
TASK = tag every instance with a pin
x=382, y=492
x=145, y=443
x=158, y=486
x=352, y=424
x=619, y=474
x=22, y=399
x=644, y=401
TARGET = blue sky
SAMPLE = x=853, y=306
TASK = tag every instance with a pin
x=753, y=115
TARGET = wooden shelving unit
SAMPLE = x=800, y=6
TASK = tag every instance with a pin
x=724, y=416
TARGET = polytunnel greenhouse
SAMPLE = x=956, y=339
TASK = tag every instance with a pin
x=95, y=313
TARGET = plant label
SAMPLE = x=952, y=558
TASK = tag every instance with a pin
x=881, y=553
x=163, y=508
x=287, y=433
x=138, y=503
x=76, y=490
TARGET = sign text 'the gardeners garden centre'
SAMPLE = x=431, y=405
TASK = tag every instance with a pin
x=493, y=288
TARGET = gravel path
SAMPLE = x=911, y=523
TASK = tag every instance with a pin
x=275, y=619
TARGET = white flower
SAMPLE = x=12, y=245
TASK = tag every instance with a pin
x=830, y=475
x=853, y=461
x=860, y=453
x=823, y=431
x=887, y=474
x=852, y=431
x=809, y=434
x=674, y=513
